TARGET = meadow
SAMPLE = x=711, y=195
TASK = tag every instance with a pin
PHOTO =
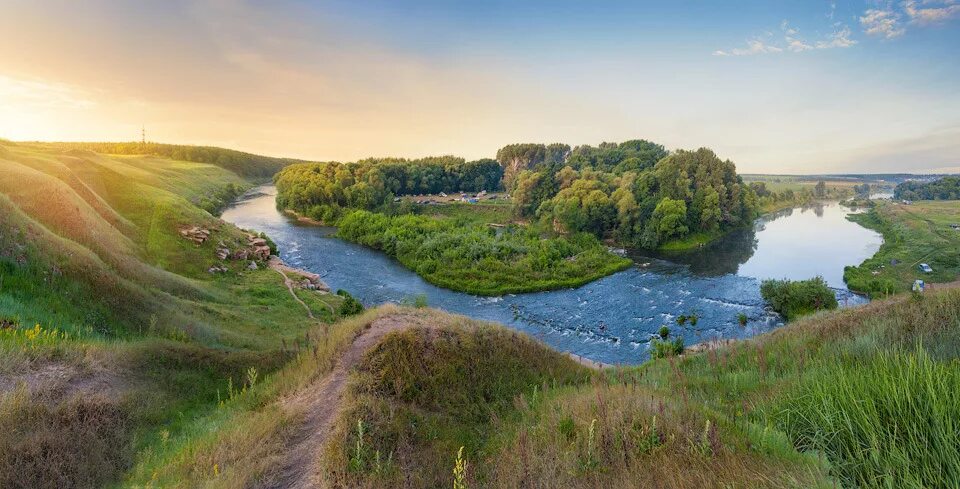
x=917, y=233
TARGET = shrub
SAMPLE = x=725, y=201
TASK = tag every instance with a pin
x=349, y=306
x=793, y=299
x=667, y=348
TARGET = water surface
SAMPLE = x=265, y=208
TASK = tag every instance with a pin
x=611, y=319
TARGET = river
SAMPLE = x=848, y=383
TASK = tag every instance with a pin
x=612, y=319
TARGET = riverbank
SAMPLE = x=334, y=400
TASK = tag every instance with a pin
x=466, y=257
x=917, y=233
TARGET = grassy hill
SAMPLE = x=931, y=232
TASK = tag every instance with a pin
x=112, y=330
x=865, y=397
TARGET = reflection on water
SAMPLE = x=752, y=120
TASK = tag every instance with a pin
x=611, y=319
x=794, y=243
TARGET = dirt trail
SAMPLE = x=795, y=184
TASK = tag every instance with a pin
x=321, y=403
x=289, y=284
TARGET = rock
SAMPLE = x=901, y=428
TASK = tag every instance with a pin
x=253, y=266
x=217, y=269
x=223, y=253
x=196, y=234
x=262, y=252
x=241, y=254
x=257, y=242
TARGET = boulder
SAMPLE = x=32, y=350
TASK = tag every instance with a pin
x=253, y=266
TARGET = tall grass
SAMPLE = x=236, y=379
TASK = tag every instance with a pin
x=892, y=421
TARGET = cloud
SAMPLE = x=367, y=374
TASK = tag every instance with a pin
x=882, y=23
x=931, y=12
x=42, y=94
x=755, y=46
x=839, y=39
x=793, y=42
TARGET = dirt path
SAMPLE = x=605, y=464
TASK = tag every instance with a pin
x=289, y=284
x=321, y=403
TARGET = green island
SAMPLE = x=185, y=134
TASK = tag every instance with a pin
x=565, y=207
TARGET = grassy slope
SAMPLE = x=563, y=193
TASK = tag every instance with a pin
x=865, y=397
x=89, y=247
x=912, y=234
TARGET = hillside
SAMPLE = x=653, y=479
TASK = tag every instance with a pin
x=861, y=397
x=112, y=326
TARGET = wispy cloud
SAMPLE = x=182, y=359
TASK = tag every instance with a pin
x=839, y=39
x=930, y=11
x=887, y=21
x=42, y=94
x=754, y=46
x=793, y=42
x=883, y=23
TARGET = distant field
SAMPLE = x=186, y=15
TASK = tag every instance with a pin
x=913, y=234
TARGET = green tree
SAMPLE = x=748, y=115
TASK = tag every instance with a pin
x=670, y=218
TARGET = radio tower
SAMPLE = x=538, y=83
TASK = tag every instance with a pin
x=143, y=134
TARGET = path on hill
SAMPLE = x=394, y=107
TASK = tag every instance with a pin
x=322, y=401
x=289, y=283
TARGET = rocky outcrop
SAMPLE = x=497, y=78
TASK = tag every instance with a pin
x=196, y=234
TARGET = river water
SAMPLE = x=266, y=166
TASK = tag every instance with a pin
x=612, y=319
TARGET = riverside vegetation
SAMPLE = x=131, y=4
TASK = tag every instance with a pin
x=920, y=232
x=564, y=204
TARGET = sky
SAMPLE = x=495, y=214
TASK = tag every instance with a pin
x=813, y=86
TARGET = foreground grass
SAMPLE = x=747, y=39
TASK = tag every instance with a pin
x=864, y=397
x=912, y=234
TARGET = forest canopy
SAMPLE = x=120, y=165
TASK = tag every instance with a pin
x=620, y=192
x=946, y=188
x=324, y=190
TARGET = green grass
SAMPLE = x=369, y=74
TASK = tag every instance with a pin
x=90, y=248
x=691, y=241
x=470, y=257
x=912, y=234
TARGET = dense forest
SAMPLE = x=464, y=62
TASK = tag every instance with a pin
x=946, y=188
x=634, y=192
x=324, y=190
x=243, y=164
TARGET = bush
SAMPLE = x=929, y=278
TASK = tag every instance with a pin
x=666, y=348
x=793, y=299
x=349, y=306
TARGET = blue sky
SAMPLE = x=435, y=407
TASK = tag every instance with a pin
x=792, y=87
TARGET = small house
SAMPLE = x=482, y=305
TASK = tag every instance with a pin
x=925, y=268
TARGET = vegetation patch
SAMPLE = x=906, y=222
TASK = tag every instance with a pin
x=795, y=298
x=921, y=232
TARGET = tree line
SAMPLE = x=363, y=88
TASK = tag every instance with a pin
x=946, y=188
x=324, y=190
x=634, y=192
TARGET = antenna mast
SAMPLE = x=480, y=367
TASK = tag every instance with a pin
x=143, y=134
